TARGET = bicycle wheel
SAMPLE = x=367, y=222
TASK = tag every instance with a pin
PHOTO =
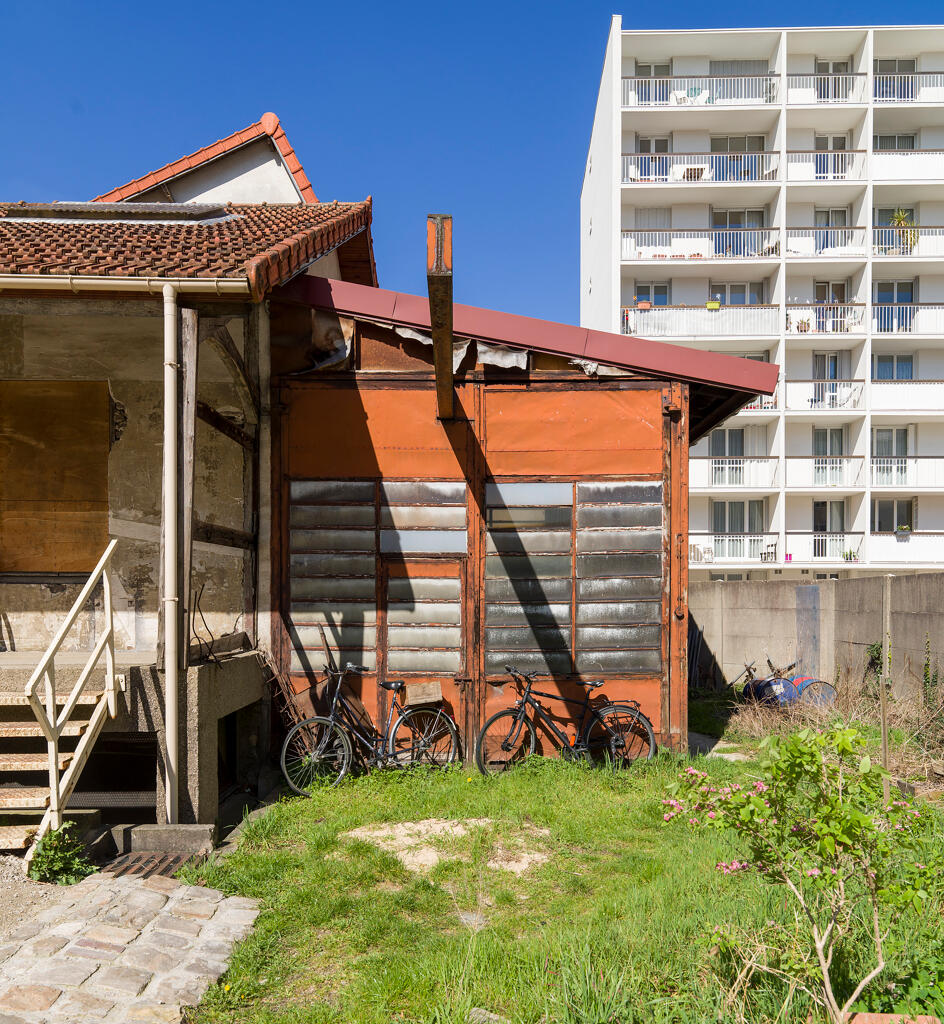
x=619, y=734
x=316, y=751
x=424, y=736
x=504, y=740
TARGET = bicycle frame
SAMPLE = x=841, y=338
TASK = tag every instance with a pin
x=374, y=746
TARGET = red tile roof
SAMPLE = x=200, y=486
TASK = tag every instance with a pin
x=264, y=244
x=267, y=125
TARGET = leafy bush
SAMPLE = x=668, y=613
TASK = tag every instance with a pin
x=60, y=857
x=857, y=869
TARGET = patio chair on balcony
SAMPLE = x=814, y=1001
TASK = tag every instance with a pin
x=769, y=554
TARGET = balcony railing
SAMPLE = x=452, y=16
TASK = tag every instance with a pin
x=685, y=321
x=649, y=168
x=700, y=243
x=823, y=547
x=700, y=90
x=705, y=548
x=815, y=471
x=816, y=165
x=908, y=241
x=824, y=394
x=907, y=471
x=761, y=403
x=908, y=396
x=908, y=164
x=826, y=318
x=822, y=242
x=906, y=546
x=849, y=88
x=908, y=318
x=924, y=87
x=740, y=471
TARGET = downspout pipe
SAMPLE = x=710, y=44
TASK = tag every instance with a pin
x=169, y=518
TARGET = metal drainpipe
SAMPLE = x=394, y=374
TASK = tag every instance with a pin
x=171, y=602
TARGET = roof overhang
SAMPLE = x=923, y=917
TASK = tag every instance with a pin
x=719, y=384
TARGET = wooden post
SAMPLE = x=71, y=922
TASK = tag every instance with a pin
x=884, y=677
x=439, y=286
x=189, y=354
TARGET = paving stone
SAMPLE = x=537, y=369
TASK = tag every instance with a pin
x=242, y=903
x=8, y=1018
x=212, y=969
x=169, y=940
x=7, y=950
x=198, y=910
x=67, y=928
x=158, y=883
x=29, y=997
x=185, y=991
x=130, y=981
x=86, y=942
x=168, y=923
x=26, y=931
x=63, y=972
x=152, y=1013
x=151, y=959
x=47, y=945
x=111, y=934
x=213, y=895
x=91, y=952
x=80, y=1006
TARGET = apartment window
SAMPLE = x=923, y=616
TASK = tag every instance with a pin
x=727, y=443
x=731, y=577
x=891, y=514
x=892, y=367
x=884, y=215
x=893, y=142
x=894, y=306
x=738, y=516
x=832, y=81
x=737, y=294
x=738, y=143
x=895, y=78
x=738, y=232
x=658, y=294
x=829, y=517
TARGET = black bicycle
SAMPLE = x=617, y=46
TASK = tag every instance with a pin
x=612, y=733
x=319, y=751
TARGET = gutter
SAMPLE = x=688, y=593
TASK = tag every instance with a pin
x=147, y=285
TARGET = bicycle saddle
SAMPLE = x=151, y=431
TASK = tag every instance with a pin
x=591, y=684
x=392, y=684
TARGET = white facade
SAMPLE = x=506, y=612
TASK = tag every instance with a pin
x=741, y=196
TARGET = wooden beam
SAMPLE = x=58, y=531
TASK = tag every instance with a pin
x=221, y=340
x=189, y=355
x=225, y=426
x=210, y=533
x=439, y=286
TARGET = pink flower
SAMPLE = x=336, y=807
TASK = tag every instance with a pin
x=812, y=872
x=711, y=814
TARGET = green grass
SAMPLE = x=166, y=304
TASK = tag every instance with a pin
x=615, y=926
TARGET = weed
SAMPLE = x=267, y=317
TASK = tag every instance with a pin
x=60, y=857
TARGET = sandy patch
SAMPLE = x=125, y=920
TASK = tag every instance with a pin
x=414, y=843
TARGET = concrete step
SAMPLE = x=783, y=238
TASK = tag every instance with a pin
x=38, y=762
x=17, y=837
x=28, y=729
x=16, y=699
x=31, y=797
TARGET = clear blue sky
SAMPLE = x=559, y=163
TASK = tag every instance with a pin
x=479, y=110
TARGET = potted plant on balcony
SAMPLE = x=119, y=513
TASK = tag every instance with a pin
x=850, y=555
x=714, y=302
x=803, y=325
x=642, y=303
x=907, y=235
x=903, y=532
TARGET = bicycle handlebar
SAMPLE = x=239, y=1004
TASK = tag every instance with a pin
x=359, y=669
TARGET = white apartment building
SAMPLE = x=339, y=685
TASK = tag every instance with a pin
x=779, y=194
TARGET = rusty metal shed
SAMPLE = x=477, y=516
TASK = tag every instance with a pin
x=544, y=525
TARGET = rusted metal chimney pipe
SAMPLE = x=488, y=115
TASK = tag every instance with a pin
x=439, y=285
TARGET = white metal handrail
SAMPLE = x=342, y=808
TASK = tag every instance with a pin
x=682, y=321
x=700, y=90
x=824, y=394
x=907, y=471
x=832, y=88
x=913, y=240
x=815, y=471
x=919, y=87
x=825, y=318
x=825, y=241
x=53, y=722
x=700, y=243
x=690, y=168
x=761, y=403
x=825, y=165
x=907, y=395
x=833, y=546
x=732, y=547
x=907, y=164
x=738, y=471
x=908, y=318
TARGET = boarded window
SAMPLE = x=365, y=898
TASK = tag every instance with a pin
x=54, y=441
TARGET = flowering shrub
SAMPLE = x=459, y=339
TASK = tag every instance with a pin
x=852, y=863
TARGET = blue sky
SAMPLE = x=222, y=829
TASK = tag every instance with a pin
x=478, y=110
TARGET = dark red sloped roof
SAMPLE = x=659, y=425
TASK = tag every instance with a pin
x=721, y=383
x=263, y=244
x=268, y=125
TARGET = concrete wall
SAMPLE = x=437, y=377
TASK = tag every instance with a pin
x=824, y=626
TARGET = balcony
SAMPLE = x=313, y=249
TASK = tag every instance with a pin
x=807, y=89
x=761, y=403
x=908, y=164
x=907, y=471
x=701, y=90
x=812, y=472
x=823, y=547
x=925, y=87
x=710, y=548
x=692, y=168
x=824, y=395
x=739, y=471
x=698, y=321
x=816, y=165
x=701, y=244
x=908, y=396
x=819, y=243
x=906, y=546
x=908, y=241
x=826, y=318
x=908, y=318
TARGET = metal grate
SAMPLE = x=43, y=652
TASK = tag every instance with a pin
x=146, y=863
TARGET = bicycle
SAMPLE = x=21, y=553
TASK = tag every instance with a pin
x=321, y=749
x=618, y=733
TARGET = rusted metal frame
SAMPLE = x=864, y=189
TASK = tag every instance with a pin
x=439, y=287
x=189, y=356
x=678, y=459
x=381, y=578
x=225, y=426
x=222, y=341
x=211, y=533
x=474, y=591
x=573, y=572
